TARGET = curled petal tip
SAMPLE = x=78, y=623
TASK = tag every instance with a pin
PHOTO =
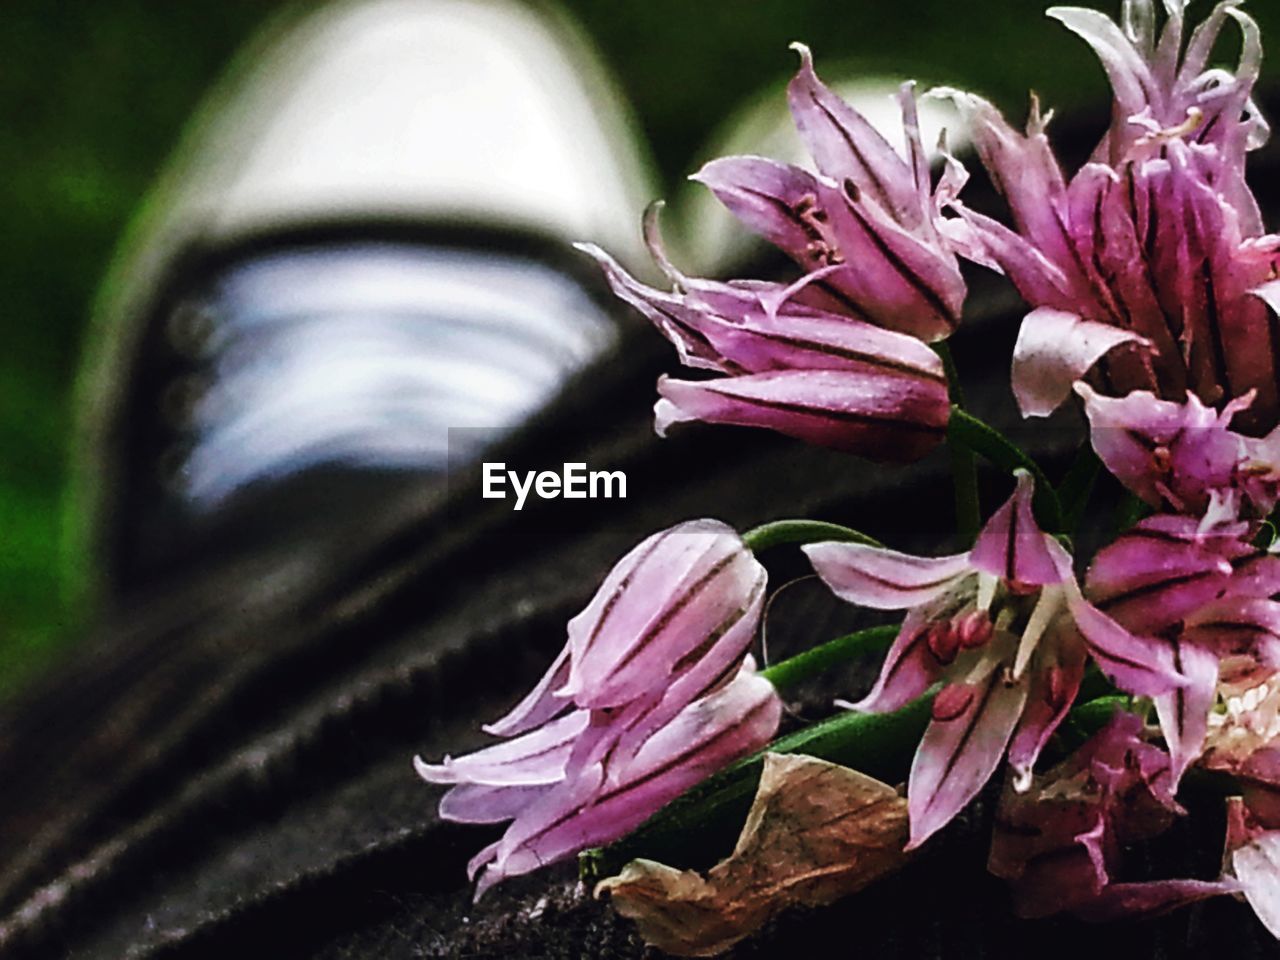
x=806, y=55
x=430, y=772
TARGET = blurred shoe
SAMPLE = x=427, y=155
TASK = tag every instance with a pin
x=357, y=267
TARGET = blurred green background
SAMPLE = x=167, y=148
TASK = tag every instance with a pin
x=95, y=94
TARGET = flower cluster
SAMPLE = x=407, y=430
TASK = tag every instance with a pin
x=1152, y=662
x=839, y=357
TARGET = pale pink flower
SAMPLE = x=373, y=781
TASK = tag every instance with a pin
x=1007, y=631
x=653, y=692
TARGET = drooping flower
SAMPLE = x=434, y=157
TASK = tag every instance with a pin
x=838, y=358
x=1008, y=632
x=1061, y=844
x=1152, y=258
x=653, y=691
x=557, y=811
x=1184, y=457
x=1204, y=592
x=832, y=380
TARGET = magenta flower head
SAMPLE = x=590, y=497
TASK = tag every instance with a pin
x=838, y=358
x=1007, y=631
x=653, y=692
x=1152, y=258
x=1206, y=594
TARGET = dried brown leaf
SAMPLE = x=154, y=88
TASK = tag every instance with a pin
x=816, y=832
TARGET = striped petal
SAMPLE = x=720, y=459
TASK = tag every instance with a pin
x=913, y=663
x=961, y=750
x=1140, y=664
x=884, y=417
x=1184, y=711
x=884, y=579
x=898, y=280
x=707, y=735
x=538, y=757
x=1054, y=350
x=1012, y=546
x=673, y=599
x=1056, y=676
x=843, y=143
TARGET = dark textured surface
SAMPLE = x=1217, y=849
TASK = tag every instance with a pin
x=224, y=769
x=229, y=772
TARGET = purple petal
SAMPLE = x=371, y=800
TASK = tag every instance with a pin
x=898, y=280
x=992, y=244
x=843, y=143
x=1161, y=571
x=1024, y=170
x=884, y=579
x=674, y=318
x=1243, y=633
x=911, y=667
x=1013, y=547
x=1139, y=664
x=1184, y=711
x=516, y=852
x=538, y=757
x=958, y=756
x=1055, y=680
x=1131, y=81
x=706, y=736
x=483, y=803
x=778, y=201
x=1055, y=349
x=884, y=417
x=667, y=601
x=817, y=340
x=696, y=675
x=1179, y=453
x=540, y=705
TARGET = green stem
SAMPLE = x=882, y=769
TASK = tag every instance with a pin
x=784, y=532
x=967, y=431
x=1077, y=486
x=1130, y=510
x=964, y=466
x=789, y=674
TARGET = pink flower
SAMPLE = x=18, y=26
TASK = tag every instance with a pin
x=1153, y=255
x=557, y=811
x=653, y=692
x=839, y=357
x=1060, y=843
x=1184, y=457
x=1204, y=592
x=1007, y=631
